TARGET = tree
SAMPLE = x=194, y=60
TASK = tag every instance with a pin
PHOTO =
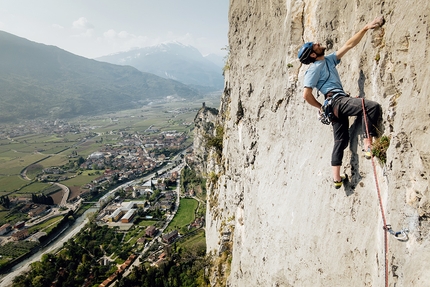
x=5, y=201
x=38, y=281
x=80, y=160
x=42, y=199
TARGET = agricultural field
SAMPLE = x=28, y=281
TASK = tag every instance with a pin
x=10, y=183
x=83, y=178
x=10, y=216
x=15, y=249
x=38, y=187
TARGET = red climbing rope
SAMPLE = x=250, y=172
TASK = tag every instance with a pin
x=379, y=197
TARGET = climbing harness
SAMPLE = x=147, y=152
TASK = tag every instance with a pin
x=327, y=107
x=386, y=227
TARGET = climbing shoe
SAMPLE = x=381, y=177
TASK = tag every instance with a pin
x=368, y=153
x=338, y=184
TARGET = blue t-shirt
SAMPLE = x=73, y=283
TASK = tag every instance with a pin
x=323, y=75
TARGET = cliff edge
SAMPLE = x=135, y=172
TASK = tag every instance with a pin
x=273, y=217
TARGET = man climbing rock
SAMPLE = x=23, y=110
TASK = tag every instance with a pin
x=322, y=74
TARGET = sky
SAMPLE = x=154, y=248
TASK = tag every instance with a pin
x=95, y=28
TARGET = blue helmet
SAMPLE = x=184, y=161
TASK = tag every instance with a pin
x=305, y=52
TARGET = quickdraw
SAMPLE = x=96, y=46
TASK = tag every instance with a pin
x=401, y=235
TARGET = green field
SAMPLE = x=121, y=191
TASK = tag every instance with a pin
x=12, y=217
x=88, y=148
x=11, y=183
x=55, y=160
x=84, y=178
x=13, y=165
x=15, y=249
x=185, y=214
x=146, y=223
x=195, y=239
x=36, y=187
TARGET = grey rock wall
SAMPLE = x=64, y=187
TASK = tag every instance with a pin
x=273, y=217
x=204, y=127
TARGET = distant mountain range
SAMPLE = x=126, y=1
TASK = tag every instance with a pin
x=174, y=61
x=38, y=81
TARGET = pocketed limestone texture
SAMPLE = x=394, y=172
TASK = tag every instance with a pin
x=273, y=217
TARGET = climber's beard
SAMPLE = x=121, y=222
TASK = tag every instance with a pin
x=318, y=49
x=321, y=52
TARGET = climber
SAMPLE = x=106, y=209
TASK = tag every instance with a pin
x=323, y=75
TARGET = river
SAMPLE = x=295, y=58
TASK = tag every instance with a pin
x=7, y=280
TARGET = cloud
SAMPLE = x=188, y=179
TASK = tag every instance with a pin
x=110, y=34
x=186, y=39
x=124, y=40
x=82, y=23
x=86, y=28
x=57, y=27
x=125, y=35
x=113, y=41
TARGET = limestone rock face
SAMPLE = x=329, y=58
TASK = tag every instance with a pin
x=204, y=127
x=273, y=217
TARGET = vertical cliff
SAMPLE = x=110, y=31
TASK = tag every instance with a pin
x=273, y=217
x=204, y=131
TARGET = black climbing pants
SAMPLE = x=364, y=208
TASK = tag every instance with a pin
x=344, y=107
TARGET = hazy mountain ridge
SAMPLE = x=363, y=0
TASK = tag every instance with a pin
x=173, y=61
x=216, y=59
x=38, y=80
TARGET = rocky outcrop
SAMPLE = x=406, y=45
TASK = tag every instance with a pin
x=273, y=216
x=204, y=129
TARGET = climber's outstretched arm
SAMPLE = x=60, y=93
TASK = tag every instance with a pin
x=354, y=40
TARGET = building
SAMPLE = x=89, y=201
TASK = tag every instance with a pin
x=151, y=231
x=141, y=241
x=147, y=185
x=133, y=204
x=96, y=155
x=170, y=237
x=126, y=212
x=19, y=225
x=5, y=228
x=21, y=234
x=116, y=215
x=128, y=217
x=38, y=210
x=26, y=208
x=165, y=205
